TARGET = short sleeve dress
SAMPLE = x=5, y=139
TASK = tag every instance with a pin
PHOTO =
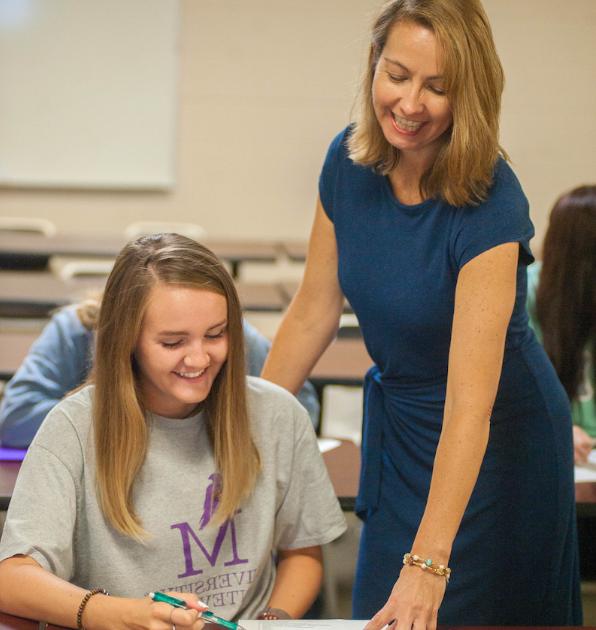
x=514, y=559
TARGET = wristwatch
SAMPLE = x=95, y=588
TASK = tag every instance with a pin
x=271, y=614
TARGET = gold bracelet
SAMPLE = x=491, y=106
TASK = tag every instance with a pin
x=427, y=565
x=88, y=596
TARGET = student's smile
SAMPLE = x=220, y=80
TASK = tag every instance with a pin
x=182, y=346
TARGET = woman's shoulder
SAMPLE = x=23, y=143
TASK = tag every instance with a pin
x=274, y=410
x=506, y=186
x=338, y=147
x=68, y=423
x=263, y=393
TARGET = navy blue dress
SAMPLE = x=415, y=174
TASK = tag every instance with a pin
x=514, y=559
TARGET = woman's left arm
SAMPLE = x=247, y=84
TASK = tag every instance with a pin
x=484, y=299
x=298, y=580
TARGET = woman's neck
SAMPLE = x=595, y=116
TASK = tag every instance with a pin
x=405, y=178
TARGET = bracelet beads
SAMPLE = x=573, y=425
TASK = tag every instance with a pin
x=427, y=565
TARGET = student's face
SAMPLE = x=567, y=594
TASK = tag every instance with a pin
x=182, y=346
x=408, y=91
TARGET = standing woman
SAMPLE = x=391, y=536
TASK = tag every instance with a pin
x=467, y=460
x=562, y=306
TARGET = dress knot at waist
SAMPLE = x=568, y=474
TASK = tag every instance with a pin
x=382, y=396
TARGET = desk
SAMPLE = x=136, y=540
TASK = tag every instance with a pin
x=345, y=362
x=295, y=250
x=261, y=296
x=37, y=293
x=8, y=622
x=13, y=349
x=32, y=251
x=289, y=288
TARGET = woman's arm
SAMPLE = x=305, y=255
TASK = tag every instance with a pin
x=312, y=318
x=484, y=299
x=298, y=580
x=257, y=349
x=27, y=590
x=57, y=362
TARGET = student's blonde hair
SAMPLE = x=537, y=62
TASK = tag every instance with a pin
x=121, y=431
x=463, y=169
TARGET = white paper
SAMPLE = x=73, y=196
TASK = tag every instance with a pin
x=327, y=444
x=304, y=624
x=587, y=472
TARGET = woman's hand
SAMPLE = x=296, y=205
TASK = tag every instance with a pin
x=413, y=603
x=582, y=445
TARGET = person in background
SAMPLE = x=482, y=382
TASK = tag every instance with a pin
x=467, y=458
x=172, y=471
x=562, y=306
x=61, y=359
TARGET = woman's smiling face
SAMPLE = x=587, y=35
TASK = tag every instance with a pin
x=181, y=348
x=408, y=91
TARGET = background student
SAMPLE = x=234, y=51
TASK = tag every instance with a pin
x=61, y=358
x=424, y=227
x=562, y=306
x=172, y=471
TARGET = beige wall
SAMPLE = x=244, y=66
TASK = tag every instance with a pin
x=265, y=84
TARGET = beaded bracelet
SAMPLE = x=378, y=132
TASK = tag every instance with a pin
x=427, y=565
x=84, y=601
x=272, y=614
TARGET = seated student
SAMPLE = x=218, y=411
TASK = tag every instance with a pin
x=60, y=360
x=562, y=306
x=172, y=471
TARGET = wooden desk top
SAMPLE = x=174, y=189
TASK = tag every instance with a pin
x=37, y=293
x=295, y=250
x=289, y=288
x=345, y=362
x=13, y=349
x=34, y=250
x=261, y=296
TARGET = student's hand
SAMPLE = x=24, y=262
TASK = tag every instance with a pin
x=177, y=618
x=582, y=445
x=414, y=602
x=117, y=613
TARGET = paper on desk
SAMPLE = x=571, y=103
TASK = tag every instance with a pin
x=327, y=444
x=587, y=472
x=304, y=624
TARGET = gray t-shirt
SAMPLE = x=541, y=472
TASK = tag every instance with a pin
x=54, y=516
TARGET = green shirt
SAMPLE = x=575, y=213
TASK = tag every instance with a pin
x=583, y=408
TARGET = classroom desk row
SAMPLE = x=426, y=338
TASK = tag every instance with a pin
x=37, y=293
x=33, y=251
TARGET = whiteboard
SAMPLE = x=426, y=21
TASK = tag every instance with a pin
x=88, y=93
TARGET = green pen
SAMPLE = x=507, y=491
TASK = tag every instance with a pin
x=205, y=614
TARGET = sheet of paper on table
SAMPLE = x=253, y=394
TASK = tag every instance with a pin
x=304, y=624
x=587, y=472
x=327, y=444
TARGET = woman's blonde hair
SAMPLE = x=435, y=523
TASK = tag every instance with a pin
x=121, y=431
x=463, y=169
